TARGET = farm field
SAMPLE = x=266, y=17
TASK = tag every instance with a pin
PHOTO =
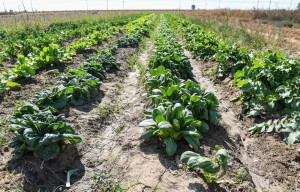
x=148, y=101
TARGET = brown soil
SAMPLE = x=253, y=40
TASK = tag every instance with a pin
x=272, y=166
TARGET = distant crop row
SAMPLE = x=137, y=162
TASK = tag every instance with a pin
x=53, y=54
x=24, y=42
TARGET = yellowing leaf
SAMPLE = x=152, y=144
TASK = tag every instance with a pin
x=12, y=84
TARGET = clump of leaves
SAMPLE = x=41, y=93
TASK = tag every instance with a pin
x=24, y=67
x=55, y=98
x=231, y=59
x=94, y=68
x=270, y=84
x=213, y=168
x=201, y=103
x=50, y=55
x=106, y=59
x=80, y=86
x=160, y=76
x=288, y=126
x=199, y=42
x=129, y=41
x=172, y=124
x=39, y=131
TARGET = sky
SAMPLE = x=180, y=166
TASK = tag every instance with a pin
x=60, y=5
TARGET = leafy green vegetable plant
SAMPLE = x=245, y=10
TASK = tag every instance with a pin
x=80, y=86
x=172, y=124
x=39, y=131
x=54, y=98
x=289, y=127
x=160, y=76
x=213, y=168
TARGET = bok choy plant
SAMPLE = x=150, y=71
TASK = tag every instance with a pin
x=213, y=168
x=172, y=124
x=40, y=131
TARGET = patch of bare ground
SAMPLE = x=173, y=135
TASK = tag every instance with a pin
x=271, y=165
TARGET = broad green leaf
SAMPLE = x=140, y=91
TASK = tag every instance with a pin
x=165, y=125
x=12, y=84
x=171, y=146
x=147, y=134
x=46, y=152
x=147, y=122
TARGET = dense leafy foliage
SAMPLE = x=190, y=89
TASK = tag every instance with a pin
x=172, y=124
x=80, y=86
x=210, y=167
x=269, y=82
x=179, y=108
x=39, y=131
x=53, y=54
x=27, y=66
x=169, y=53
x=289, y=127
x=54, y=98
x=25, y=41
x=136, y=30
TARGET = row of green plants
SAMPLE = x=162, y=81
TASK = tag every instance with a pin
x=26, y=41
x=134, y=34
x=37, y=124
x=26, y=66
x=179, y=108
x=268, y=83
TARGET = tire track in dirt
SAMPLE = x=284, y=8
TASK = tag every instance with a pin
x=272, y=167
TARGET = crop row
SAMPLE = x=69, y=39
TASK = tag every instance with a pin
x=38, y=126
x=179, y=108
x=26, y=67
x=269, y=83
x=26, y=41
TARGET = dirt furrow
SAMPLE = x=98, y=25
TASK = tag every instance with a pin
x=271, y=165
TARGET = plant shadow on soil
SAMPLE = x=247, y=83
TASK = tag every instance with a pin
x=89, y=106
x=216, y=135
x=50, y=175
